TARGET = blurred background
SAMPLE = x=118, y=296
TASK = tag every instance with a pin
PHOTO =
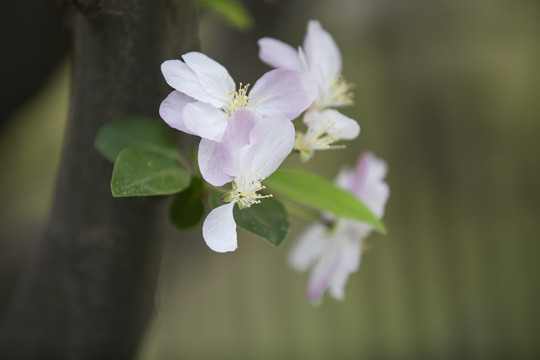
x=447, y=92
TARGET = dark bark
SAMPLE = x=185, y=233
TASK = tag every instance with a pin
x=88, y=292
x=35, y=39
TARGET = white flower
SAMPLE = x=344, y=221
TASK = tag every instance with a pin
x=250, y=150
x=206, y=96
x=324, y=128
x=319, y=56
x=334, y=252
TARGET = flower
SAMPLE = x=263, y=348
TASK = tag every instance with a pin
x=205, y=95
x=334, y=252
x=324, y=128
x=252, y=148
x=319, y=56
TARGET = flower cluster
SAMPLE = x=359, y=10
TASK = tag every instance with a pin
x=247, y=132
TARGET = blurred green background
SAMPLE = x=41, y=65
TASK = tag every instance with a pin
x=447, y=92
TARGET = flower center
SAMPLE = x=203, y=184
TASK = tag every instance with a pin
x=239, y=99
x=317, y=138
x=340, y=94
x=245, y=187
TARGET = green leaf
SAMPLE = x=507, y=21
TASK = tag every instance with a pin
x=187, y=207
x=143, y=172
x=321, y=194
x=269, y=220
x=137, y=132
x=232, y=11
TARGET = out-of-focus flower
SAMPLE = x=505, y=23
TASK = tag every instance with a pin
x=252, y=148
x=334, y=252
x=205, y=95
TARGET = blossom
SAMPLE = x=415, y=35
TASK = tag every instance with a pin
x=334, y=252
x=252, y=148
x=319, y=56
x=205, y=95
x=324, y=128
x=321, y=59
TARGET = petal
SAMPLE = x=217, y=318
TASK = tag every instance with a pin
x=219, y=229
x=271, y=141
x=171, y=110
x=351, y=251
x=213, y=76
x=376, y=198
x=182, y=78
x=313, y=118
x=322, y=54
x=236, y=140
x=309, y=247
x=343, y=127
x=323, y=273
x=332, y=122
x=283, y=92
x=278, y=54
x=360, y=173
x=345, y=178
x=204, y=120
x=356, y=229
x=209, y=163
x=369, y=183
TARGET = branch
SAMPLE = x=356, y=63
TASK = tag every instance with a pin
x=88, y=292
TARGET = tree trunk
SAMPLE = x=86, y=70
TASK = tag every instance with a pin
x=88, y=291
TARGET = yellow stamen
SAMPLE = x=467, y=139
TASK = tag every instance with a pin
x=245, y=187
x=239, y=99
x=339, y=94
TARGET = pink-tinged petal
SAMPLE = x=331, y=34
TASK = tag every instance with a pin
x=376, y=199
x=322, y=54
x=351, y=250
x=369, y=183
x=171, y=110
x=209, y=163
x=236, y=139
x=323, y=272
x=283, y=92
x=278, y=54
x=213, y=76
x=182, y=78
x=352, y=254
x=360, y=173
x=271, y=141
x=204, y=120
x=219, y=229
x=343, y=127
x=309, y=247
